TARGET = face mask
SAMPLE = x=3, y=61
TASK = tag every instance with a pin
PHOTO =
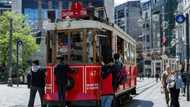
x=35, y=68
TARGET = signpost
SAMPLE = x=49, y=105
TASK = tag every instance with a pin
x=181, y=19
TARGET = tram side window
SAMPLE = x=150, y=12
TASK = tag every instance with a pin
x=126, y=53
x=76, y=47
x=104, y=50
x=133, y=55
x=63, y=45
x=120, y=47
x=90, y=47
x=129, y=55
x=49, y=48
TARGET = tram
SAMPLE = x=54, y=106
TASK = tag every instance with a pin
x=83, y=43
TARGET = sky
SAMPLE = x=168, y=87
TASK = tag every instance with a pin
x=117, y=2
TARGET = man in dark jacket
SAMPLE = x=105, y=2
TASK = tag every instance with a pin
x=37, y=83
x=117, y=66
x=61, y=71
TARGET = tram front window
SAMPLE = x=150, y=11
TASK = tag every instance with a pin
x=83, y=46
x=70, y=46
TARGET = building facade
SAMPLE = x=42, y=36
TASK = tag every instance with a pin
x=5, y=5
x=36, y=12
x=146, y=26
x=163, y=26
x=180, y=33
x=127, y=16
x=181, y=49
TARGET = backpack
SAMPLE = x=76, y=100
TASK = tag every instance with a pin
x=106, y=70
x=121, y=76
x=179, y=81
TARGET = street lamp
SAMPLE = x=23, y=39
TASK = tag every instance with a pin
x=10, y=52
x=18, y=45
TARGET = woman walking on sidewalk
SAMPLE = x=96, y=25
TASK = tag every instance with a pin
x=174, y=83
x=164, y=77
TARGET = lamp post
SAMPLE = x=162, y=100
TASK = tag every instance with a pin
x=10, y=52
x=187, y=47
x=18, y=45
x=180, y=19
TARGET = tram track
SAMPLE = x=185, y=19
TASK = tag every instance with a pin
x=145, y=87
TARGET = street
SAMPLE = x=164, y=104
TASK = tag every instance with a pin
x=149, y=95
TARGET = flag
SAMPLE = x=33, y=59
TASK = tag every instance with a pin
x=164, y=39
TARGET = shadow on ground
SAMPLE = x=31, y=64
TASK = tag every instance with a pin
x=140, y=103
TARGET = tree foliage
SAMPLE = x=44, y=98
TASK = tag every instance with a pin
x=21, y=31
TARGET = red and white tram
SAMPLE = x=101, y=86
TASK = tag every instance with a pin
x=83, y=44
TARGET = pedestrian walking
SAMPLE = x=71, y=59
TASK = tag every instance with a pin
x=37, y=83
x=174, y=83
x=140, y=67
x=164, y=77
x=61, y=71
x=184, y=79
x=157, y=75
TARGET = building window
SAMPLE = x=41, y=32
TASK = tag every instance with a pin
x=127, y=14
x=121, y=13
x=146, y=15
x=147, y=25
x=148, y=38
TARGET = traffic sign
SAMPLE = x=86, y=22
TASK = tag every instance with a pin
x=180, y=19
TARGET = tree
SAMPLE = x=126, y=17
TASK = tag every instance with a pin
x=21, y=31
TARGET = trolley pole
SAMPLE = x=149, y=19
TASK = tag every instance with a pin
x=10, y=53
x=187, y=47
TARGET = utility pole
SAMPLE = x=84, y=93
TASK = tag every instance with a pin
x=187, y=47
x=10, y=53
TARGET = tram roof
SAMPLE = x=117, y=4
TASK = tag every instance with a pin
x=87, y=24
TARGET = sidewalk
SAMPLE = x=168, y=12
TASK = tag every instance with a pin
x=183, y=101
x=149, y=92
x=16, y=96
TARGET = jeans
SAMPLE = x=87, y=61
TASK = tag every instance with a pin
x=61, y=94
x=166, y=96
x=106, y=101
x=33, y=91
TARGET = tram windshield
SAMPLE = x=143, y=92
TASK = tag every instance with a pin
x=81, y=46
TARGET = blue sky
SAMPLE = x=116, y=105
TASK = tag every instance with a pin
x=117, y=2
